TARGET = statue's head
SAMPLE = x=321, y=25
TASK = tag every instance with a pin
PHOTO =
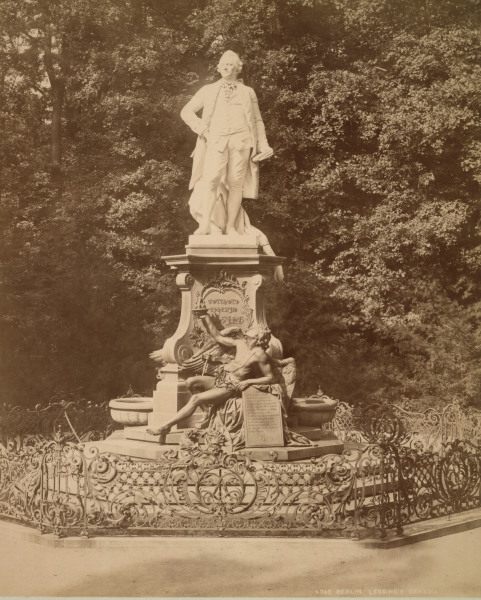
x=229, y=64
x=259, y=336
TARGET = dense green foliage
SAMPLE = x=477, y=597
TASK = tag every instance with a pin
x=373, y=108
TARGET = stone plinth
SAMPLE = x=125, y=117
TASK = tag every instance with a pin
x=174, y=437
x=147, y=446
x=226, y=274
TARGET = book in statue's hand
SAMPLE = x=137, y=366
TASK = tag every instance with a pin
x=263, y=155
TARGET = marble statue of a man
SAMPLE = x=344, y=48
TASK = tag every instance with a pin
x=231, y=141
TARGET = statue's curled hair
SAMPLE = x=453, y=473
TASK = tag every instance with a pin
x=262, y=336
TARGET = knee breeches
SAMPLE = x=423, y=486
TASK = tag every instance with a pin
x=226, y=156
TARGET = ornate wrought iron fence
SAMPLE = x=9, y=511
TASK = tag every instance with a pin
x=380, y=486
x=433, y=428
x=79, y=421
x=62, y=487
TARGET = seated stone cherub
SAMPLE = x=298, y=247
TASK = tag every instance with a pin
x=250, y=366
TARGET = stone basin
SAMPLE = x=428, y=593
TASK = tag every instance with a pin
x=131, y=411
x=314, y=411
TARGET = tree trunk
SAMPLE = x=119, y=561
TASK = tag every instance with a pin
x=57, y=87
x=56, y=126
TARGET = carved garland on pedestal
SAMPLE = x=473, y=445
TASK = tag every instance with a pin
x=225, y=281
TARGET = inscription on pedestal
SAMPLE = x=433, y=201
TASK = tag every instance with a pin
x=229, y=306
x=226, y=299
x=262, y=419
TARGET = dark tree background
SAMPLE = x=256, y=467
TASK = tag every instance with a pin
x=373, y=108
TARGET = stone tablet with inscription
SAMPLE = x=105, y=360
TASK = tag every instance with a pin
x=262, y=419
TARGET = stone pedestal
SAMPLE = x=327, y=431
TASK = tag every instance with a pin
x=226, y=274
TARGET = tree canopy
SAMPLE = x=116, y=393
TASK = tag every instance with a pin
x=373, y=108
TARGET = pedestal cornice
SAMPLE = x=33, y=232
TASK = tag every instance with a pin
x=221, y=259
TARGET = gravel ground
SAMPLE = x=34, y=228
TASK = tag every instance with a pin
x=447, y=566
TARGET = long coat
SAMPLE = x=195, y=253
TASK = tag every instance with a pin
x=205, y=100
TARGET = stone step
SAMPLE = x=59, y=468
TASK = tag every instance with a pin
x=288, y=453
x=173, y=437
x=142, y=435
x=138, y=448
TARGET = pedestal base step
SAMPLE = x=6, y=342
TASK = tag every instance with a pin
x=174, y=437
x=141, y=435
x=131, y=448
x=287, y=453
x=152, y=450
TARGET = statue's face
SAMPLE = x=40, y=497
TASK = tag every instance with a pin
x=228, y=68
x=250, y=339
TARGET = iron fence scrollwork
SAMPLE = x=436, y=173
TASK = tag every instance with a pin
x=383, y=481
